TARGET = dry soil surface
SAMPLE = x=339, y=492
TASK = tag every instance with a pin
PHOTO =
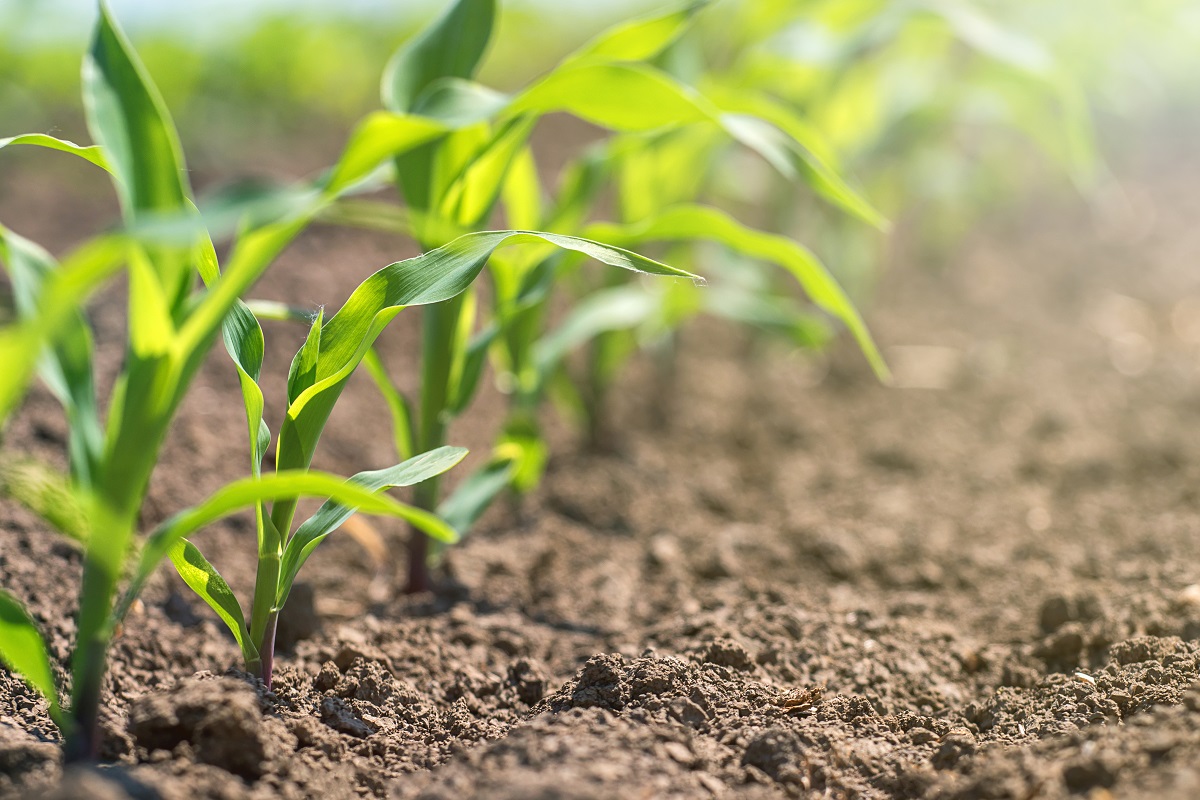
x=788, y=580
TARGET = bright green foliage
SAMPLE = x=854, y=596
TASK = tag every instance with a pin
x=24, y=652
x=167, y=242
x=835, y=86
x=164, y=246
x=452, y=183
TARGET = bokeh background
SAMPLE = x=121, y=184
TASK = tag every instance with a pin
x=939, y=112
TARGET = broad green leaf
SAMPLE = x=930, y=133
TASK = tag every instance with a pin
x=330, y=516
x=792, y=159
x=127, y=117
x=303, y=368
x=375, y=141
x=521, y=194
x=657, y=171
x=429, y=278
x=756, y=117
x=23, y=650
x=639, y=98
x=472, y=497
x=67, y=364
x=461, y=103
x=92, y=153
x=248, y=492
x=59, y=301
x=45, y=492
x=617, y=308
x=640, y=39
x=523, y=443
x=151, y=331
x=205, y=581
x=469, y=198
x=451, y=47
x=370, y=215
x=623, y=97
x=709, y=224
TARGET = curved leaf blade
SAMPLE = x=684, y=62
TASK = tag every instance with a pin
x=451, y=47
x=203, y=579
x=643, y=38
x=66, y=365
x=127, y=117
x=23, y=650
x=63, y=294
x=330, y=516
x=701, y=222
x=248, y=492
x=429, y=278
x=92, y=153
x=618, y=308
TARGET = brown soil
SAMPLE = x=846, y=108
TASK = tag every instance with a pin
x=802, y=584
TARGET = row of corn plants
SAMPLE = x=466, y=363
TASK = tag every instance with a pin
x=458, y=154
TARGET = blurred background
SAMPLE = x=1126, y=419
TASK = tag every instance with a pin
x=937, y=111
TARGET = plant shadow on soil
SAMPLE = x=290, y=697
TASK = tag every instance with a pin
x=981, y=590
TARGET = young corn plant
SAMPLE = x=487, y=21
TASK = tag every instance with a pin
x=166, y=248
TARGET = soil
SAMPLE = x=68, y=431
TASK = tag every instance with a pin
x=787, y=581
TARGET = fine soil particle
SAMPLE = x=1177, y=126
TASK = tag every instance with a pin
x=778, y=587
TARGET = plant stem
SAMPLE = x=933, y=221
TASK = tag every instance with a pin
x=263, y=613
x=107, y=543
x=266, y=650
x=439, y=347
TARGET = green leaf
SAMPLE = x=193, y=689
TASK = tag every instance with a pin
x=451, y=47
x=205, y=581
x=92, y=153
x=23, y=650
x=304, y=365
x=618, y=308
x=429, y=278
x=643, y=38
x=66, y=365
x=521, y=193
x=472, y=497
x=469, y=198
x=248, y=492
x=376, y=140
x=623, y=97
x=756, y=118
x=474, y=360
x=330, y=516
x=59, y=301
x=703, y=223
x=127, y=117
x=45, y=492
